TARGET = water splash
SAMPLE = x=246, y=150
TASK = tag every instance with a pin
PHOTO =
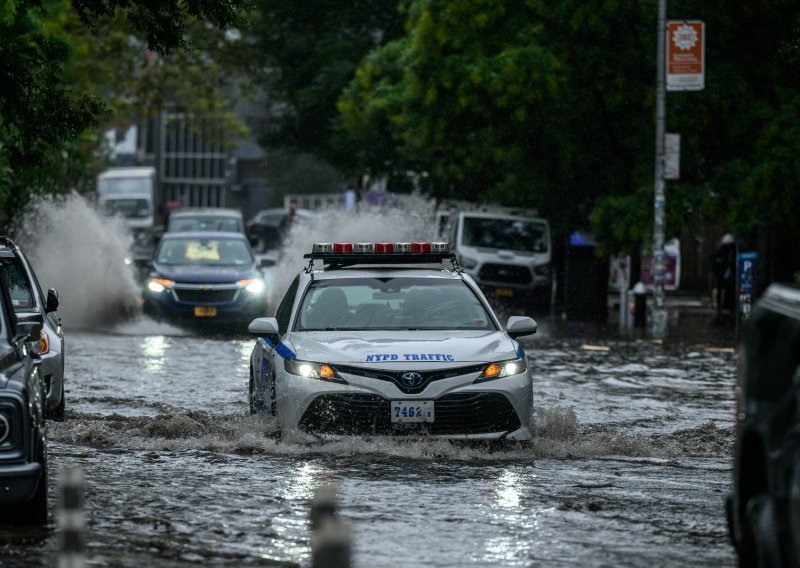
x=82, y=255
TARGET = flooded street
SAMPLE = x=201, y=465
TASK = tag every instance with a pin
x=630, y=465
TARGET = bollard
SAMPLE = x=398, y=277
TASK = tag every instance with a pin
x=71, y=519
x=331, y=538
x=330, y=545
x=640, y=305
x=323, y=505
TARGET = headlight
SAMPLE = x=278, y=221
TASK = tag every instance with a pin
x=44, y=343
x=503, y=369
x=5, y=428
x=308, y=370
x=467, y=262
x=157, y=285
x=255, y=286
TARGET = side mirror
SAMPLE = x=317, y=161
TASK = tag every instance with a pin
x=519, y=326
x=52, y=301
x=29, y=326
x=264, y=327
x=266, y=262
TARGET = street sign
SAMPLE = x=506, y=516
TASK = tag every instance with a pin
x=745, y=286
x=685, y=55
x=672, y=156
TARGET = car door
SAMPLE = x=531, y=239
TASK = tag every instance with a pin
x=268, y=351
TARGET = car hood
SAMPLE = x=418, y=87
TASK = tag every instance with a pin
x=400, y=348
x=205, y=274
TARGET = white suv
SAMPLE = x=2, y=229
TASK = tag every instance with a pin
x=509, y=256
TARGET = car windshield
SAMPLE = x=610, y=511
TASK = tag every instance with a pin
x=204, y=252
x=128, y=208
x=205, y=223
x=122, y=185
x=507, y=234
x=18, y=286
x=401, y=303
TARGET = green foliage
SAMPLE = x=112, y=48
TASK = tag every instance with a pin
x=309, y=54
x=61, y=80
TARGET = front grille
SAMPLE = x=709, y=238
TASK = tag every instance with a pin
x=197, y=296
x=396, y=377
x=454, y=414
x=505, y=273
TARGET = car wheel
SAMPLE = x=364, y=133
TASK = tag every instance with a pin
x=57, y=413
x=794, y=509
x=256, y=402
x=273, y=399
x=764, y=528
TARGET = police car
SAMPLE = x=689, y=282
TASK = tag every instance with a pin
x=391, y=338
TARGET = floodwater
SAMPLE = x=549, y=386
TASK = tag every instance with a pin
x=630, y=465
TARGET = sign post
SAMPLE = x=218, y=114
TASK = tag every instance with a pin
x=685, y=55
x=745, y=287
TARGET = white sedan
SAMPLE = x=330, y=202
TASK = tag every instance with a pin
x=383, y=341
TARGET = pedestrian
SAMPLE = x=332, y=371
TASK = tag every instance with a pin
x=723, y=265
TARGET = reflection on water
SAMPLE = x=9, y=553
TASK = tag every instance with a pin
x=631, y=456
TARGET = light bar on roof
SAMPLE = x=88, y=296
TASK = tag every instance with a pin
x=323, y=247
x=364, y=247
x=402, y=247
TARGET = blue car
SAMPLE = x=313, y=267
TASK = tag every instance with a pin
x=206, y=279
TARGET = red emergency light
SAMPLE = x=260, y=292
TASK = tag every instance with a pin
x=421, y=247
x=384, y=248
x=341, y=248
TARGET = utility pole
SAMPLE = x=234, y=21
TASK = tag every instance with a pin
x=659, y=314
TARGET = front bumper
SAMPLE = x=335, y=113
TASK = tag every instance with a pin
x=496, y=409
x=195, y=305
x=18, y=482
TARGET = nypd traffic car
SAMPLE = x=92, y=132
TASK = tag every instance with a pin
x=390, y=338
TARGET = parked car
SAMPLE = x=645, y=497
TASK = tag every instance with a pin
x=23, y=444
x=210, y=219
x=764, y=507
x=29, y=301
x=391, y=343
x=268, y=227
x=206, y=279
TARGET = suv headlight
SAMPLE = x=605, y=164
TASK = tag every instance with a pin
x=321, y=371
x=502, y=369
x=467, y=262
x=158, y=285
x=44, y=343
x=255, y=286
x=5, y=427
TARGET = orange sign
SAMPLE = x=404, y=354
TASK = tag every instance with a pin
x=685, y=55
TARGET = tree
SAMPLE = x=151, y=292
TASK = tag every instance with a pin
x=44, y=111
x=310, y=53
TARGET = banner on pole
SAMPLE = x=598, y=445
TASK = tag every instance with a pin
x=672, y=156
x=686, y=55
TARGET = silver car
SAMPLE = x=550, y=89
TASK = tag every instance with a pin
x=28, y=301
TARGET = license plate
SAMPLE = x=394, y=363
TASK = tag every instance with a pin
x=205, y=311
x=505, y=292
x=412, y=411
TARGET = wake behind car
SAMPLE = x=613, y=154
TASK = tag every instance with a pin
x=23, y=447
x=29, y=302
x=391, y=338
x=207, y=279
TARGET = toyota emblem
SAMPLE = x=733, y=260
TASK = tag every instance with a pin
x=411, y=379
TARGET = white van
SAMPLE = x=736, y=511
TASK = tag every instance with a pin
x=509, y=256
x=130, y=193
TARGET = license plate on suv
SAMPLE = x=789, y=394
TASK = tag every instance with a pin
x=205, y=311
x=409, y=411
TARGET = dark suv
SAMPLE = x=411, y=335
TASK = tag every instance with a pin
x=23, y=450
x=764, y=508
